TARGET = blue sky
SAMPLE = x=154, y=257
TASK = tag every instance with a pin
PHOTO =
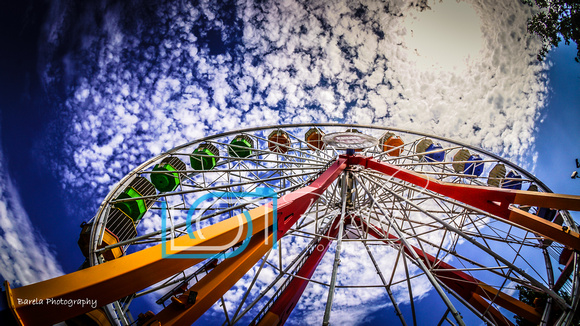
x=558, y=133
x=84, y=100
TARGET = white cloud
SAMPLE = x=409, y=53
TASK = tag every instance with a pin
x=25, y=257
x=146, y=88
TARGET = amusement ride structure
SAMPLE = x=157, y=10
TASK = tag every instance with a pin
x=267, y=204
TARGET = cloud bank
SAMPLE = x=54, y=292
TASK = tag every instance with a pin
x=145, y=80
x=24, y=255
x=141, y=79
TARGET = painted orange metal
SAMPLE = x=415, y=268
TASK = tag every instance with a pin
x=123, y=276
x=213, y=286
x=492, y=200
x=479, y=304
x=120, y=277
x=547, y=199
x=270, y=319
x=545, y=228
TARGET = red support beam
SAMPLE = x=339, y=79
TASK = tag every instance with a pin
x=472, y=290
x=285, y=303
x=495, y=201
x=566, y=272
x=293, y=205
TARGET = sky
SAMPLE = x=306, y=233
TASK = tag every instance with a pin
x=92, y=89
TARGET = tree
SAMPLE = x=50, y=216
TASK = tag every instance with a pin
x=532, y=298
x=538, y=301
x=556, y=19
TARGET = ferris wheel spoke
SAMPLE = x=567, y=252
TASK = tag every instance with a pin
x=496, y=256
x=420, y=263
x=268, y=152
x=410, y=149
x=296, y=263
x=331, y=288
x=308, y=146
x=282, y=147
x=398, y=203
x=498, y=270
x=414, y=155
x=455, y=279
x=504, y=240
x=387, y=286
x=411, y=223
x=263, y=181
x=257, y=160
x=250, y=287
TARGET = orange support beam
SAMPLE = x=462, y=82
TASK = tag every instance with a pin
x=547, y=199
x=492, y=200
x=126, y=275
x=547, y=229
x=479, y=304
x=212, y=286
x=508, y=302
x=118, y=278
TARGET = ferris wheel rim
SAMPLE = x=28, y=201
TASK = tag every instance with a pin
x=136, y=171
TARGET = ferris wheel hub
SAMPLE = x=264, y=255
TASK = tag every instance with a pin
x=350, y=140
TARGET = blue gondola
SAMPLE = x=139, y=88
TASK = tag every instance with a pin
x=475, y=168
x=514, y=183
x=435, y=157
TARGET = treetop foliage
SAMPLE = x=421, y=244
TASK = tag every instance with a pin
x=556, y=19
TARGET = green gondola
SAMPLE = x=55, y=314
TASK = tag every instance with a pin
x=241, y=146
x=135, y=209
x=204, y=157
x=165, y=182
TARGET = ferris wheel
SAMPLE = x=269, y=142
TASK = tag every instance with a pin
x=240, y=225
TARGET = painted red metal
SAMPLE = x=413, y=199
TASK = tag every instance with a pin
x=293, y=205
x=566, y=272
x=286, y=302
x=469, y=288
x=495, y=201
